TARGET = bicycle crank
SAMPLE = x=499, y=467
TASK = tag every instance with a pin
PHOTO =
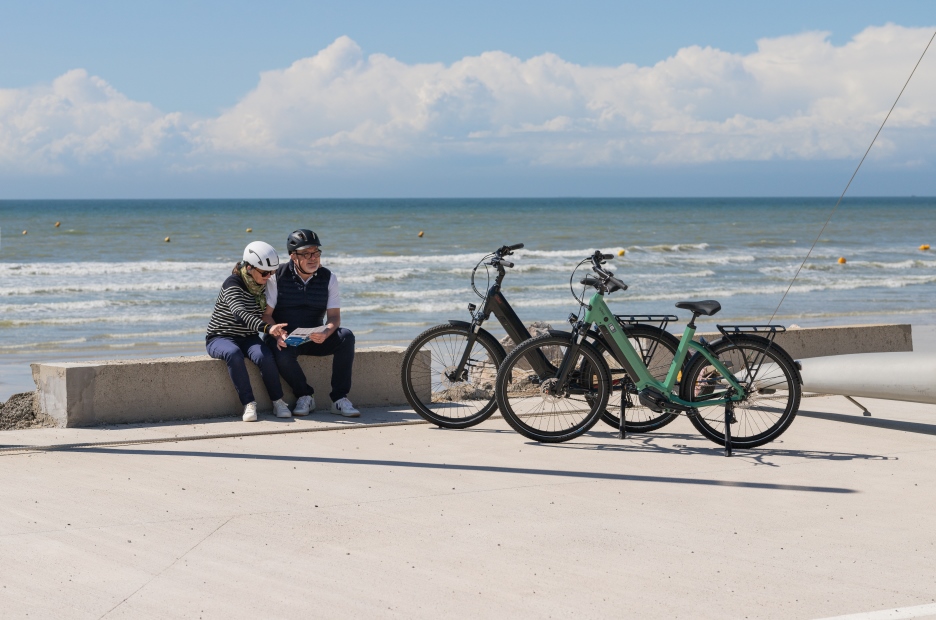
x=658, y=402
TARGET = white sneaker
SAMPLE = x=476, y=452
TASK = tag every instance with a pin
x=305, y=405
x=343, y=406
x=250, y=412
x=281, y=409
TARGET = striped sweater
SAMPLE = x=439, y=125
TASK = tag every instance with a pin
x=236, y=312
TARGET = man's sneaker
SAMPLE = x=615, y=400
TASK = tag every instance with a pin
x=250, y=412
x=281, y=409
x=343, y=406
x=305, y=405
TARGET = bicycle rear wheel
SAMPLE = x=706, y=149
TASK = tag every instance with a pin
x=535, y=406
x=773, y=393
x=432, y=390
x=657, y=347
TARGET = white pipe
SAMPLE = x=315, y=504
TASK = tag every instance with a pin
x=893, y=376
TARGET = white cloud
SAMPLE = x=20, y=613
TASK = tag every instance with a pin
x=797, y=97
x=78, y=120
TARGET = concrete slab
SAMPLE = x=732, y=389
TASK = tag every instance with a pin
x=415, y=521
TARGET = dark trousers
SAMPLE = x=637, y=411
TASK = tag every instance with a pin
x=340, y=344
x=233, y=351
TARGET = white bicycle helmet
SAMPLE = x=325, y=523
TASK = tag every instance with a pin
x=261, y=255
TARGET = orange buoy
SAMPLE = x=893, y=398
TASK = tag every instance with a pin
x=842, y=261
x=622, y=252
x=166, y=240
x=57, y=224
x=420, y=234
x=250, y=230
x=925, y=246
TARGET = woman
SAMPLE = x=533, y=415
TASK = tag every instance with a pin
x=236, y=326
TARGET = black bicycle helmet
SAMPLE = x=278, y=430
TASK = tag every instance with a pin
x=301, y=239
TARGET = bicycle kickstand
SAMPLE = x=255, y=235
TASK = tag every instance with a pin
x=729, y=418
x=622, y=424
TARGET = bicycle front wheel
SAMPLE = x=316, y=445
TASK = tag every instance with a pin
x=657, y=347
x=773, y=392
x=431, y=385
x=540, y=409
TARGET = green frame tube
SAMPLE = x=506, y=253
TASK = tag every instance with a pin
x=598, y=313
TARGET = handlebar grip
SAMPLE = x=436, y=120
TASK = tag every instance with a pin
x=590, y=280
x=607, y=256
x=506, y=263
x=616, y=285
x=517, y=246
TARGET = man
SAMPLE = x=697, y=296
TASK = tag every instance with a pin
x=305, y=294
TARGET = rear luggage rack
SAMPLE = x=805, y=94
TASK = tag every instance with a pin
x=773, y=330
x=769, y=332
x=661, y=320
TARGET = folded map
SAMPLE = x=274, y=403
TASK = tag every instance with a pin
x=301, y=335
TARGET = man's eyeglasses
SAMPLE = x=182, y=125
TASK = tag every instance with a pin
x=308, y=255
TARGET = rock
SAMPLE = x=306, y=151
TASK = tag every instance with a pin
x=536, y=328
x=22, y=411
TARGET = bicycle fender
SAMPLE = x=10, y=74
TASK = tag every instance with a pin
x=559, y=332
x=466, y=325
x=766, y=342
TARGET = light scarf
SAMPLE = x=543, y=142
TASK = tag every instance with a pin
x=257, y=290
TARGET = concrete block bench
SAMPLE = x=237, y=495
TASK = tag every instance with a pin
x=194, y=387
x=842, y=340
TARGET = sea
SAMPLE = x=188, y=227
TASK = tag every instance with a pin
x=115, y=279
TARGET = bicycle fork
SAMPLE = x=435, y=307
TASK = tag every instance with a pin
x=579, y=332
x=459, y=373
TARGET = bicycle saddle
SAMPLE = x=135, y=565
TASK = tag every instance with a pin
x=707, y=307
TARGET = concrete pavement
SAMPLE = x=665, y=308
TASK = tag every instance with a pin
x=409, y=521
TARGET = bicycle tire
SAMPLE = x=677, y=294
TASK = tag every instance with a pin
x=547, y=418
x=436, y=398
x=771, y=404
x=657, y=347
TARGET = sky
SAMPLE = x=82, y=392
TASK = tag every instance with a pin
x=421, y=99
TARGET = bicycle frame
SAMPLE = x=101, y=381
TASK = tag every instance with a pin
x=495, y=303
x=598, y=313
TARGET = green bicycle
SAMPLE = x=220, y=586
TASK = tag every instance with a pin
x=741, y=391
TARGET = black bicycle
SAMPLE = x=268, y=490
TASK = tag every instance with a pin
x=449, y=370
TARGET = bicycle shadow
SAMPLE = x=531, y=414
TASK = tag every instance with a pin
x=636, y=443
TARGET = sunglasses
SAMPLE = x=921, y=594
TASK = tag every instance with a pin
x=308, y=255
x=263, y=274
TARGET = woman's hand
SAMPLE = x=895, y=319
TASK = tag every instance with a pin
x=277, y=331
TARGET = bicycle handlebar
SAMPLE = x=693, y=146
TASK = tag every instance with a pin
x=616, y=285
x=607, y=280
x=517, y=246
x=505, y=263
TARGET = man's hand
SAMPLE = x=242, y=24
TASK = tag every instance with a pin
x=323, y=336
x=332, y=322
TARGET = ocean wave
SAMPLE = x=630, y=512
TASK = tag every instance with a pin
x=95, y=268
x=402, y=259
x=381, y=276
x=770, y=243
x=45, y=344
x=415, y=294
x=156, y=334
x=850, y=266
x=669, y=248
x=115, y=318
x=59, y=306
x=78, y=288
x=843, y=284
